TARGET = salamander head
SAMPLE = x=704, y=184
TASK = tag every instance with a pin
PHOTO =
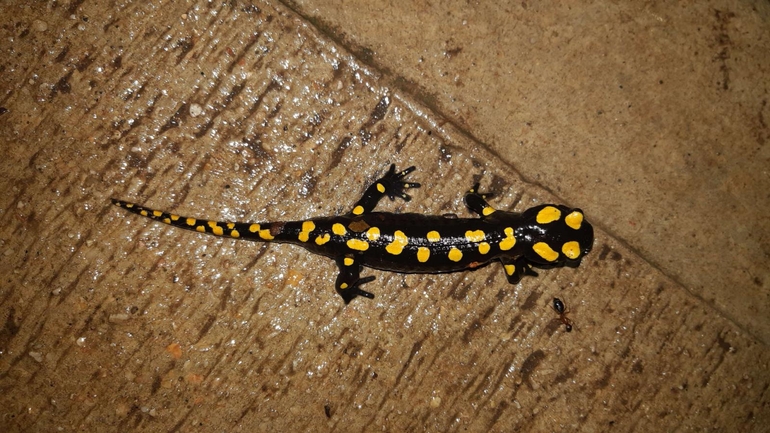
x=555, y=235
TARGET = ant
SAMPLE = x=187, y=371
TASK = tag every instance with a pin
x=559, y=307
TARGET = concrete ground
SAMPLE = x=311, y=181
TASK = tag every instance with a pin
x=650, y=117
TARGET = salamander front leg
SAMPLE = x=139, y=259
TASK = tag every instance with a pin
x=391, y=184
x=477, y=202
x=349, y=281
x=516, y=269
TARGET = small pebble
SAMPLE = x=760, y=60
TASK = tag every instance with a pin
x=195, y=110
x=118, y=318
x=40, y=25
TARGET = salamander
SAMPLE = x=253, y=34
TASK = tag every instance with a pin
x=544, y=236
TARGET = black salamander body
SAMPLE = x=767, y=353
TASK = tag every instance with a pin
x=543, y=236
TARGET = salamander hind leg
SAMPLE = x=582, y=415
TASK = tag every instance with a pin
x=349, y=280
x=391, y=184
x=516, y=269
x=477, y=201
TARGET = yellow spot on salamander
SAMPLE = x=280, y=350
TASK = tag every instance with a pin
x=380, y=188
x=143, y=212
x=399, y=242
x=235, y=233
x=215, y=228
x=322, y=239
x=230, y=226
x=265, y=234
x=571, y=249
x=487, y=211
x=357, y=244
x=157, y=213
x=339, y=229
x=508, y=241
x=166, y=220
x=423, y=254
x=547, y=215
x=344, y=286
x=175, y=217
x=190, y=221
x=455, y=255
x=358, y=210
x=484, y=248
x=373, y=234
x=348, y=261
x=201, y=229
x=433, y=236
x=543, y=250
x=307, y=227
x=574, y=220
x=509, y=269
x=128, y=205
x=254, y=228
x=474, y=236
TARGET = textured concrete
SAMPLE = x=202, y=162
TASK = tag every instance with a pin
x=233, y=111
